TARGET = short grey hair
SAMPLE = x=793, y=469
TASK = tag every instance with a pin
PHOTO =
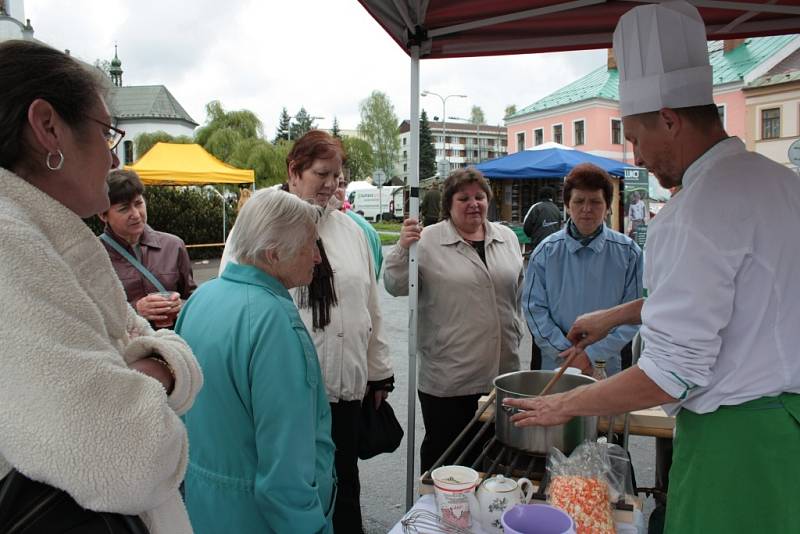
x=272, y=220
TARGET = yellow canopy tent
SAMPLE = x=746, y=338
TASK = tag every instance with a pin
x=181, y=164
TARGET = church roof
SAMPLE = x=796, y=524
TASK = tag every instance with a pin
x=146, y=102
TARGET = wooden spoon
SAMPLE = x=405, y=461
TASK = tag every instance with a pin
x=560, y=372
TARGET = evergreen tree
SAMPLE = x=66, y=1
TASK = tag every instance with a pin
x=303, y=122
x=335, y=130
x=283, y=127
x=427, y=150
x=510, y=110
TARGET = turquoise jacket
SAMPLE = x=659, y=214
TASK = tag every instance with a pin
x=260, y=454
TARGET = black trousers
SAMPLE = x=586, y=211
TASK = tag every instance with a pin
x=536, y=357
x=344, y=431
x=445, y=418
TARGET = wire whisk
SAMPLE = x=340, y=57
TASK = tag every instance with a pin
x=425, y=522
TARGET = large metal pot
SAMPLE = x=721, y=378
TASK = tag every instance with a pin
x=538, y=439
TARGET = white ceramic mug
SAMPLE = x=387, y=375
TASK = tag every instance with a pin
x=454, y=486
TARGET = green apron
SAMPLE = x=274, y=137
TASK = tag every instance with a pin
x=737, y=470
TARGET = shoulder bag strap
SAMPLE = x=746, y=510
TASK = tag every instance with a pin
x=133, y=261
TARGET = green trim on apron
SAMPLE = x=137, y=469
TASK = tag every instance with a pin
x=737, y=470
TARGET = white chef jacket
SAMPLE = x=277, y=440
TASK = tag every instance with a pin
x=721, y=325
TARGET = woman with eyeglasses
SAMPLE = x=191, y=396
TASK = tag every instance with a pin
x=90, y=395
x=154, y=267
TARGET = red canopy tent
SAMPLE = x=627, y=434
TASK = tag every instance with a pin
x=461, y=28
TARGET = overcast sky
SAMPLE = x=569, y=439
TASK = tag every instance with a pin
x=326, y=55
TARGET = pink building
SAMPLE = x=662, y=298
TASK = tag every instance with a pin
x=585, y=113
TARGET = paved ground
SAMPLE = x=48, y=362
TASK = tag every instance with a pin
x=383, y=478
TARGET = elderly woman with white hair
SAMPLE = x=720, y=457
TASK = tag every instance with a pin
x=261, y=458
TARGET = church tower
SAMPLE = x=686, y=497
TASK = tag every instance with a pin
x=12, y=13
x=116, y=70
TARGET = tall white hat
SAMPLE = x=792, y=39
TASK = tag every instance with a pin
x=662, y=56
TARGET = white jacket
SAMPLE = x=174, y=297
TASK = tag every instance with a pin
x=72, y=414
x=352, y=349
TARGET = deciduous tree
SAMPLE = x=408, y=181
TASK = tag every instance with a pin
x=379, y=127
x=360, y=158
x=243, y=122
x=145, y=141
x=476, y=115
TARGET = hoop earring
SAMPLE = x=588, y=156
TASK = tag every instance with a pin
x=56, y=167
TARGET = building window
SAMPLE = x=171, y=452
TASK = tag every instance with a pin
x=579, y=135
x=404, y=141
x=405, y=154
x=558, y=134
x=405, y=167
x=616, y=132
x=520, y=141
x=128, y=147
x=770, y=123
x=538, y=136
x=721, y=111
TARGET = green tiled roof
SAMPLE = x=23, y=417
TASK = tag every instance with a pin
x=600, y=83
x=603, y=82
x=146, y=102
x=738, y=63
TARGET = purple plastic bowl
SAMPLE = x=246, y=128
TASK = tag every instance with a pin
x=537, y=519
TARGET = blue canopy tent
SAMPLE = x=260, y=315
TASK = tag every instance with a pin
x=546, y=163
x=516, y=172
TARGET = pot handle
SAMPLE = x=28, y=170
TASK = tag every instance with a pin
x=510, y=410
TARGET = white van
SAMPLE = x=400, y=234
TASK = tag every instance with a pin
x=387, y=200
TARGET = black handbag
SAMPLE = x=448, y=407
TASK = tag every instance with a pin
x=379, y=430
x=30, y=507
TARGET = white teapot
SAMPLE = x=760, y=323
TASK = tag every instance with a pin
x=498, y=494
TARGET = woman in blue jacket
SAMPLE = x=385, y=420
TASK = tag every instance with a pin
x=261, y=458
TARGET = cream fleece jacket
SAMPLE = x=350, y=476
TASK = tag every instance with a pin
x=72, y=414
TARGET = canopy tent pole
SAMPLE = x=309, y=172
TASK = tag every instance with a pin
x=413, y=278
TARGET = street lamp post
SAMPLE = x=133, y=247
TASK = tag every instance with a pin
x=289, y=132
x=444, y=120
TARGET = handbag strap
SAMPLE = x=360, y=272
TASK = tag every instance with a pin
x=133, y=261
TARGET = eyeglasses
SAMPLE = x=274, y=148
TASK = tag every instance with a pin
x=113, y=135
